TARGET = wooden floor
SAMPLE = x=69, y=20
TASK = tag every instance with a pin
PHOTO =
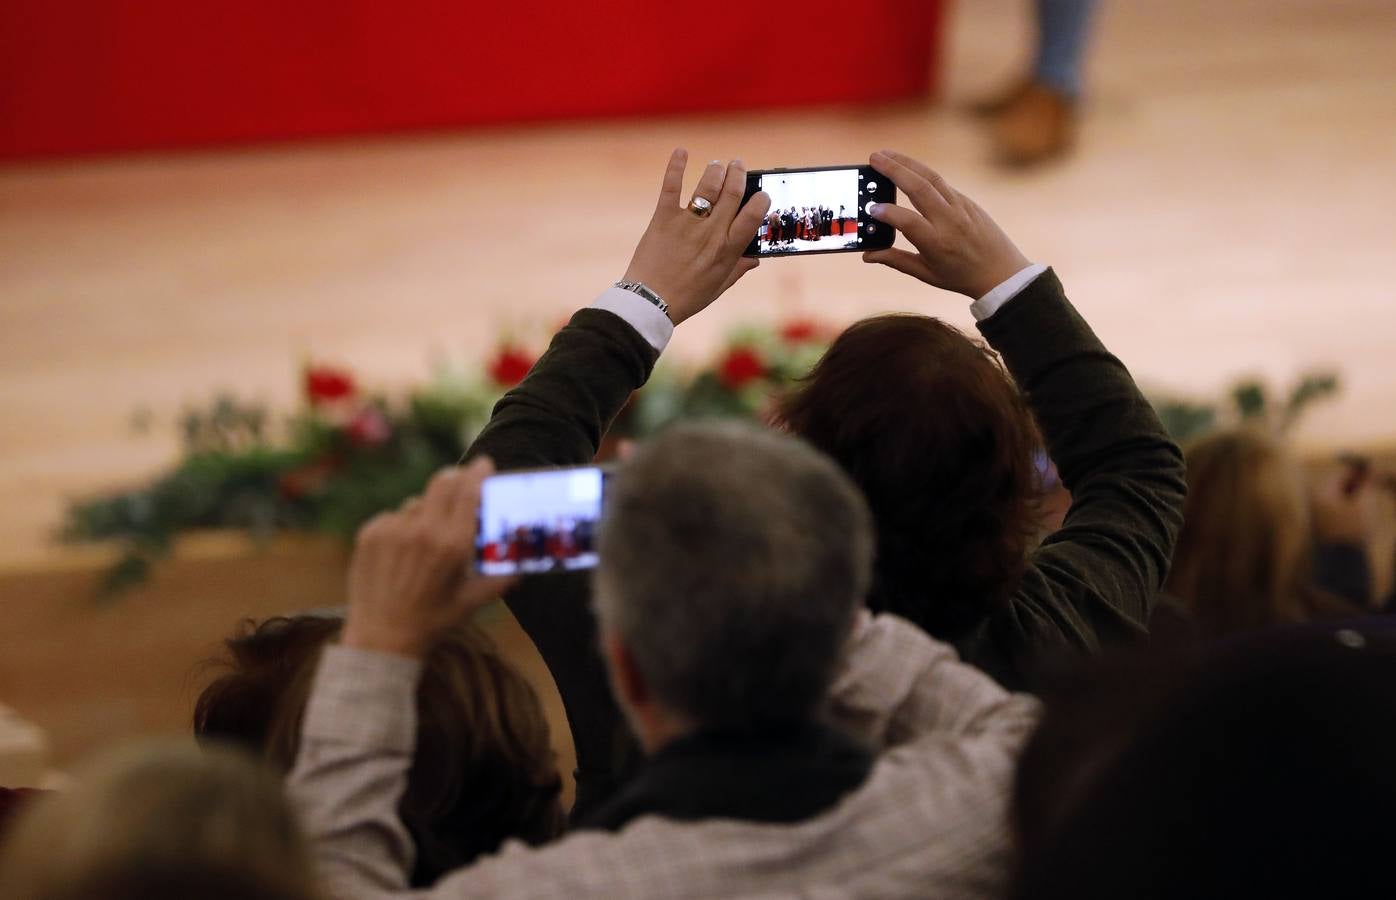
x=1232, y=210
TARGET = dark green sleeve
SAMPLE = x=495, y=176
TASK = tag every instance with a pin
x=1095, y=579
x=556, y=417
x=558, y=414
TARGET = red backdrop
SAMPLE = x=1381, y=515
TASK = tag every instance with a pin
x=104, y=75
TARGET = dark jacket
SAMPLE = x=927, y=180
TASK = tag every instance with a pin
x=1090, y=583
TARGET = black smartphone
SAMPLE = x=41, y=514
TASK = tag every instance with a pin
x=821, y=210
x=540, y=520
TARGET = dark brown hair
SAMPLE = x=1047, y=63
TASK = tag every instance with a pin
x=941, y=441
x=483, y=771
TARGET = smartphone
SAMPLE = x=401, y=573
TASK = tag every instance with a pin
x=821, y=210
x=539, y=520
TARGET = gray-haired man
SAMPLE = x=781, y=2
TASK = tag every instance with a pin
x=733, y=567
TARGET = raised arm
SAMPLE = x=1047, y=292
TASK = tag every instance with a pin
x=558, y=414
x=1096, y=578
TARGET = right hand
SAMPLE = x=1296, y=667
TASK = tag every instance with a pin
x=959, y=248
x=687, y=260
x=409, y=577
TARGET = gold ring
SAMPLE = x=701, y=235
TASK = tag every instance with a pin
x=700, y=207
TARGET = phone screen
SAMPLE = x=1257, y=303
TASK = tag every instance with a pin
x=821, y=210
x=542, y=520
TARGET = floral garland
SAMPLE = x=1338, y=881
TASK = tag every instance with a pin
x=347, y=453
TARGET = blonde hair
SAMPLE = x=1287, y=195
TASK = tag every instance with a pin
x=1244, y=556
x=162, y=819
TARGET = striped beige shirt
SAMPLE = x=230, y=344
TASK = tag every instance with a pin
x=929, y=821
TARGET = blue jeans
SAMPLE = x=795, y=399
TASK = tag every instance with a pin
x=1061, y=42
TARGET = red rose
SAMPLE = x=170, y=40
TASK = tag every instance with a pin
x=801, y=331
x=369, y=428
x=324, y=384
x=740, y=367
x=509, y=366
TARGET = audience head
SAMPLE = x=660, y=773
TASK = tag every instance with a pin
x=1243, y=558
x=160, y=820
x=1260, y=767
x=942, y=443
x=733, y=561
x=484, y=769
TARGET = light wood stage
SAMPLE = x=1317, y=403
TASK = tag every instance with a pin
x=1231, y=211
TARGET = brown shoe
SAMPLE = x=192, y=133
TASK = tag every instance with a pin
x=1000, y=102
x=1040, y=126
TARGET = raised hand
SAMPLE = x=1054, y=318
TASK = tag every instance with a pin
x=958, y=247
x=687, y=259
x=410, y=576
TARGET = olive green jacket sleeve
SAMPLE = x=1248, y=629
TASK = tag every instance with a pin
x=1095, y=580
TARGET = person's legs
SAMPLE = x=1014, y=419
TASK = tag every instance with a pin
x=1062, y=27
x=1037, y=122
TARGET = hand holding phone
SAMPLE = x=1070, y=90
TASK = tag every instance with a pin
x=959, y=247
x=820, y=210
x=690, y=260
x=408, y=577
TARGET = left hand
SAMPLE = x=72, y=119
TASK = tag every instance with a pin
x=410, y=578
x=688, y=260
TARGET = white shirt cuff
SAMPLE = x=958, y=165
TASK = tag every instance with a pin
x=642, y=315
x=989, y=304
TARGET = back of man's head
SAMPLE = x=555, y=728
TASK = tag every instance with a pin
x=732, y=563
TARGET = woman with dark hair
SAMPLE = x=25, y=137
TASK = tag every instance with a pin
x=943, y=439
x=942, y=443
x=484, y=769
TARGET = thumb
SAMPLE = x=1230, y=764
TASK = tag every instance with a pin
x=903, y=261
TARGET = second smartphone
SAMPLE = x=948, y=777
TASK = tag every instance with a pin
x=540, y=520
x=821, y=210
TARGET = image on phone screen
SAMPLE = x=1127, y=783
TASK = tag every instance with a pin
x=822, y=210
x=538, y=521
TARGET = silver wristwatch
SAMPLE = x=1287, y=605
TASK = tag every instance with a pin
x=638, y=288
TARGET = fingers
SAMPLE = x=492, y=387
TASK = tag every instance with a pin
x=452, y=497
x=749, y=219
x=710, y=184
x=902, y=260
x=916, y=228
x=671, y=190
x=924, y=196
x=934, y=178
x=733, y=189
x=466, y=507
x=375, y=527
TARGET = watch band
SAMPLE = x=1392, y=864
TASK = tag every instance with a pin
x=639, y=289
